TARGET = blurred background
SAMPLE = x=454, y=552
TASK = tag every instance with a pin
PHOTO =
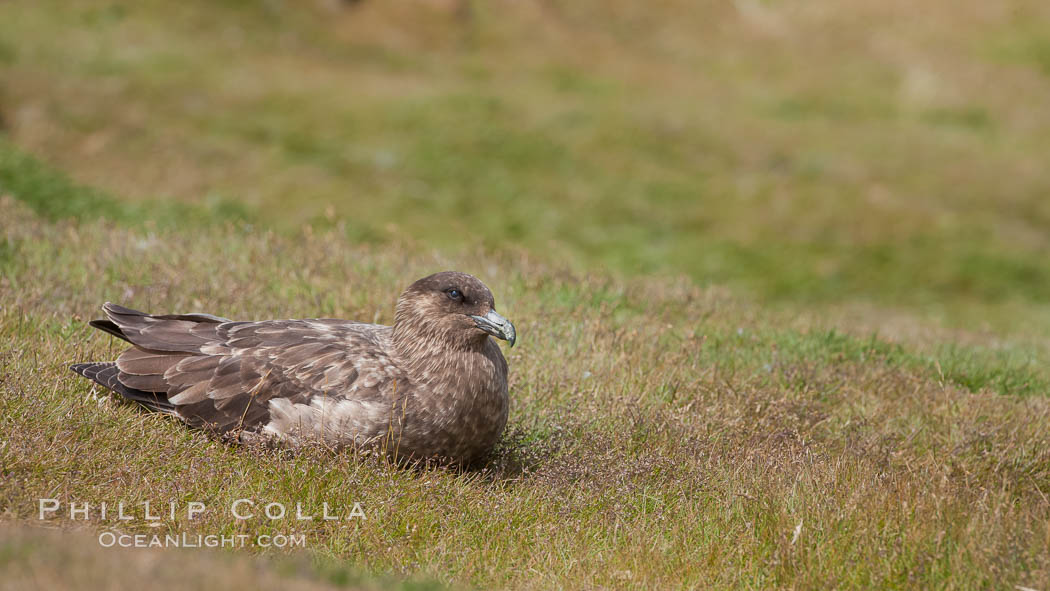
x=833, y=153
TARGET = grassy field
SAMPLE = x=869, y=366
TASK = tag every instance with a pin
x=780, y=273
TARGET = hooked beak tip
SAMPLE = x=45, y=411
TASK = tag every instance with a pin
x=497, y=326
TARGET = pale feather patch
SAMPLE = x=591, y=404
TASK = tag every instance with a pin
x=332, y=420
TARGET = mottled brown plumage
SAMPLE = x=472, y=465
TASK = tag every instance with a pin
x=433, y=385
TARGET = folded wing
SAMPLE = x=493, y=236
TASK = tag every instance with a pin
x=225, y=376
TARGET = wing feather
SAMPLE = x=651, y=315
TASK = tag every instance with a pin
x=175, y=333
x=144, y=362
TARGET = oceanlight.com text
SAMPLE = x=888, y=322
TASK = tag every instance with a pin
x=109, y=539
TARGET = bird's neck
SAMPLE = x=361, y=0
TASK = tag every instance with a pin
x=430, y=356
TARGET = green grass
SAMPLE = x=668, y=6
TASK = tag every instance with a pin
x=753, y=298
x=53, y=195
x=884, y=174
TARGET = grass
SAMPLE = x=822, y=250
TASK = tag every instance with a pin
x=662, y=435
x=54, y=195
x=781, y=326
x=694, y=144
